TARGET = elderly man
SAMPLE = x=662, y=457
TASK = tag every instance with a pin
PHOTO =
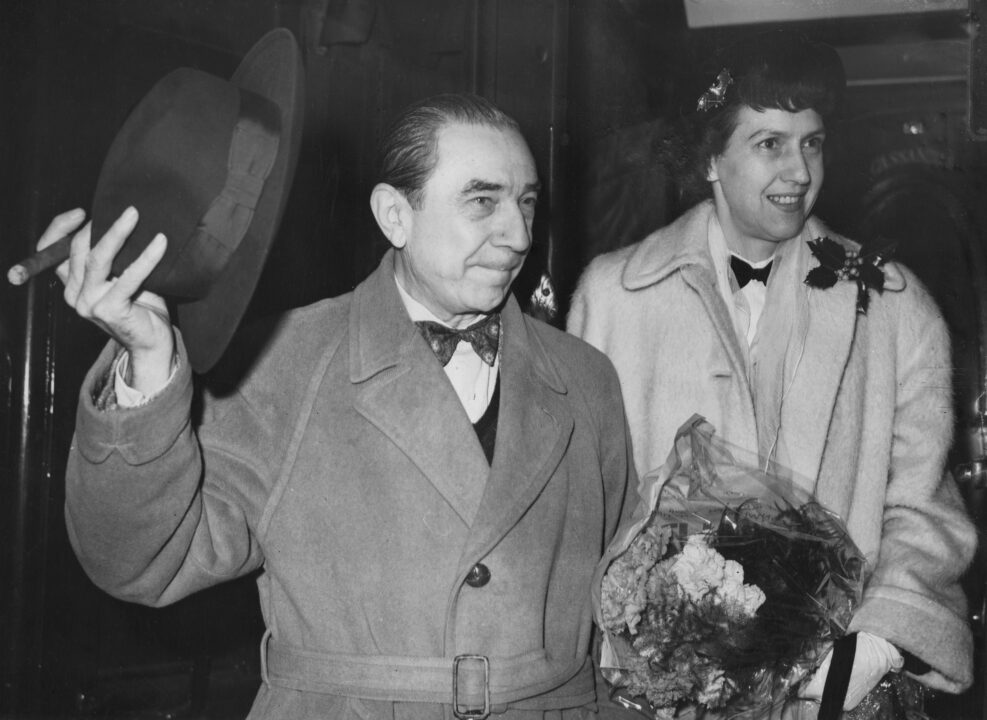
x=427, y=508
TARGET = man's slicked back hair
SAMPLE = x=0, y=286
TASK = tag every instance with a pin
x=408, y=151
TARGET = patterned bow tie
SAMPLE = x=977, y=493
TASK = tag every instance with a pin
x=484, y=336
x=745, y=273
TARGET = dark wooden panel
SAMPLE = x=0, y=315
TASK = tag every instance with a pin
x=978, y=69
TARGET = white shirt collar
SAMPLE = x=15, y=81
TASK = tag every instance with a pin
x=747, y=313
x=419, y=312
x=473, y=380
x=721, y=252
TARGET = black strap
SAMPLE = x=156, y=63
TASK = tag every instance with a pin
x=838, y=679
x=914, y=664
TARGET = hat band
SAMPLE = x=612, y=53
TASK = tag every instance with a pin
x=253, y=151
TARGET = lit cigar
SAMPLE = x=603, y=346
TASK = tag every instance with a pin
x=54, y=254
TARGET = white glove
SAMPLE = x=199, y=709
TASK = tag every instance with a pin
x=875, y=657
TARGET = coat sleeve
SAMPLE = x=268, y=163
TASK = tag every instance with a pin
x=914, y=598
x=146, y=522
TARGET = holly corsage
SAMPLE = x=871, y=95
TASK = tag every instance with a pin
x=838, y=263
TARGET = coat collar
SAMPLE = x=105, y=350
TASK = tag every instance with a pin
x=405, y=393
x=383, y=334
x=682, y=249
x=822, y=337
x=684, y=242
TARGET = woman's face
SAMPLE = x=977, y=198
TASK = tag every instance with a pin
x=768, y=178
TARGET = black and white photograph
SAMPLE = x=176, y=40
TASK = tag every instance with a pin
x=507, y=359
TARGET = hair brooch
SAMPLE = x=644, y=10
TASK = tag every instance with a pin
x=716, y=95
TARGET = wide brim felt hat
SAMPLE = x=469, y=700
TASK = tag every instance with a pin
x=209, y=163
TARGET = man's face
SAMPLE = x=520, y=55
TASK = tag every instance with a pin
x=768, y=178
x=468, y=240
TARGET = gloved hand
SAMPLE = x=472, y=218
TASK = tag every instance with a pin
x=874, y=658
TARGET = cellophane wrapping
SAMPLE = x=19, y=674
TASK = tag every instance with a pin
x=725, y=589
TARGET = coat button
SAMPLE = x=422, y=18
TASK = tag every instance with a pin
x=478, y=576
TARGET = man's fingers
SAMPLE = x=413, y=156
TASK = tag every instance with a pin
x=73, y=271
x=136, y=273
x=93, y=277
x=111, y=304
x=100, y=258
x=60, y=226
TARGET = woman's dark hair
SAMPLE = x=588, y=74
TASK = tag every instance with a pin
x=407, y=152
x=779, y=69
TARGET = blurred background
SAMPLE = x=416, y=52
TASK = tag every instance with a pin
x=594, y=84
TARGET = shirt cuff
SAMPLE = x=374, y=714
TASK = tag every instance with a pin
x=126, y=396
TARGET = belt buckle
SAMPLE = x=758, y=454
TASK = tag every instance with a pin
x=471, y=714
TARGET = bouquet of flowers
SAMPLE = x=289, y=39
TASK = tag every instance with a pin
x=726, y=593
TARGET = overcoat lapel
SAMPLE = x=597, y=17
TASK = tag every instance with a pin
x=822, y=341
x=533, y=430
x=405, y=393
x=684, y=246
x=701, y=279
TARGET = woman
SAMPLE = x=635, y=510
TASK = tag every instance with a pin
x=847, y=383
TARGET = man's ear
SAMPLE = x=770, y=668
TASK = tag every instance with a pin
x=711, y=174
x=392, y=212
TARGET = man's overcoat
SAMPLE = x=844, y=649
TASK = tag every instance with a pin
x=858, y=405
x=346, y=468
